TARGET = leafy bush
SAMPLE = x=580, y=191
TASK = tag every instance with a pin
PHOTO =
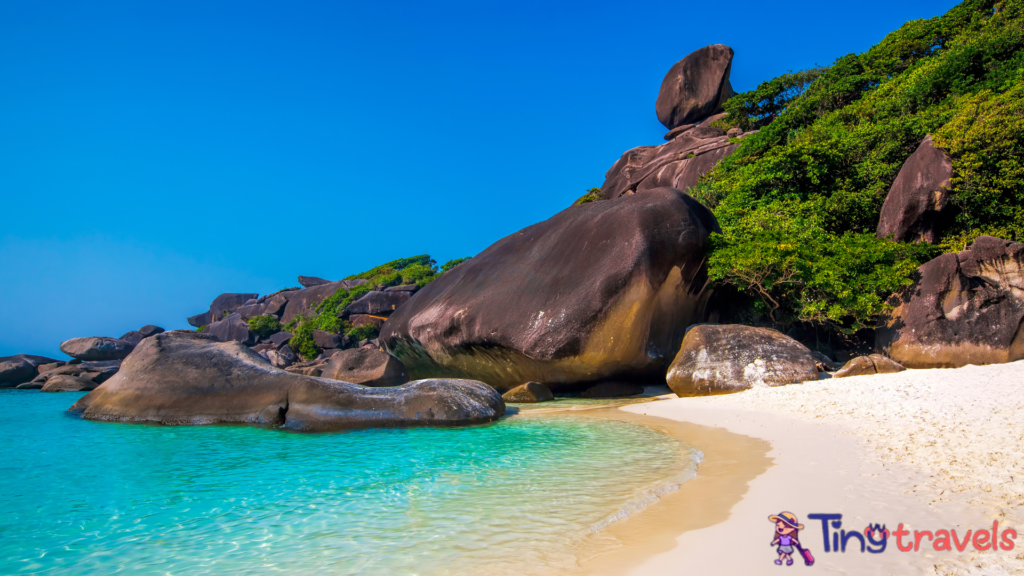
x=453, y=263
x=264, y=325
x=364, y=332
x=591, y=195
x=799, y=201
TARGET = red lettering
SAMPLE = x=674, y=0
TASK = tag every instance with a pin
x=941, y=540
x=1007, y=543
x=983, y=536
x=995, y=535
x=900, y=533
x=960, y=546
x=918, y=534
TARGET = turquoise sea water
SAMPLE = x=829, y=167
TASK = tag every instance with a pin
x=512, y=497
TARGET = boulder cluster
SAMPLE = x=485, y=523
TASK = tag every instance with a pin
x=598, y=300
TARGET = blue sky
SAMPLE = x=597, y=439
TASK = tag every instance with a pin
x=154, y=155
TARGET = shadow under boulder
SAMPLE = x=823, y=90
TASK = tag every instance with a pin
x=181, y=378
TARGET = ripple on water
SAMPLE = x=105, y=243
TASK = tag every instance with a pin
x=514, y=496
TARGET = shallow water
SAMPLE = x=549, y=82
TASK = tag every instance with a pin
x=516, y=496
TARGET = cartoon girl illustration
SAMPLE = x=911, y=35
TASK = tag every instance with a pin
x=786, y=529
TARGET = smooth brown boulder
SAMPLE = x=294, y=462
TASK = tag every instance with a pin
x=600, y=290
x=65, y=383
x=96, y=348
x=366, y=366
x=529, y=393
x=866, y=365
x=717, y=359
x=917, y=208
x=965, y=308
x=695, y=87
x=612, y=390
x=232, y=327
x=379, y=302
x=310, y=281
x=192, y=379
x=304, y=302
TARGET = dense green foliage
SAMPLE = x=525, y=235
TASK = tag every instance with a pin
x=419, y=270
x=799, y=201
x=264, y=326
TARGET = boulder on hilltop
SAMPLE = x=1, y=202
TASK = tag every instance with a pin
x=602, y=289
x=189, y=379
x=695, y=87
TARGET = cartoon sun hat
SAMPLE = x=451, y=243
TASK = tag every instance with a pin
x=788, y=518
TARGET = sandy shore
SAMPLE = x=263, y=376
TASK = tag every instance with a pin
x=932, y=449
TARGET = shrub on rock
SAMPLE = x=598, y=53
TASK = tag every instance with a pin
x=716, y=359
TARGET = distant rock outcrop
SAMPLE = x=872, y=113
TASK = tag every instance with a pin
x=918, y=205
x=96, y=348
x=188, y=379
x=599, y=290
x=965, y=308
x=695, y=87
x=715, y=359
x=22, y=368
x=310, y=281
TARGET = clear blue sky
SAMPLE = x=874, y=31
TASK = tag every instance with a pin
x=156, y=154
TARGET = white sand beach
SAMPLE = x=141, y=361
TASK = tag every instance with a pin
x=932, y=449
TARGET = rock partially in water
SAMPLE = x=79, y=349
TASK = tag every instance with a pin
x=21, y=368
x=873, y=364
x=65, y=383
x=529, y=393
x=601, y=290
x=715, y=359
x=190, y=379
x=96, y=348
x=366, y=366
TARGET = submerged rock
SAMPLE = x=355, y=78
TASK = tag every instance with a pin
x=529, y=393
x=600, y=290
x=716, y=359
x=96, y=348
x=965, y=308
x=191, y=379
x=865, y=365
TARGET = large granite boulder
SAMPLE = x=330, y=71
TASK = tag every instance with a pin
x=150, y=330
x=133, y=337
x=327, y=340
x=964, y=308
x=716, y=359
x=98, y=372
x=200, y=320
x=378, y=302
x=695, y=87
x=96, y=348
x=232, y=328
x=677, y=164
x=304, y=302
x=866, y=365
x=21, y=368
x=191, y=379
x=529, y=393
x=599, y=290
x=366, y=366
x=918, y=207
